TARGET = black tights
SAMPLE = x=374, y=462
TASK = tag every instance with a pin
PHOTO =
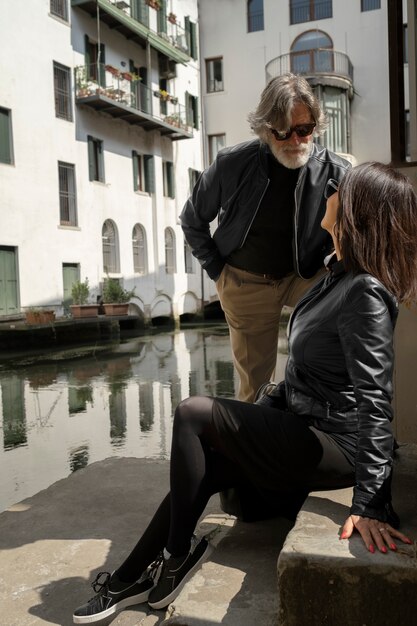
x=199, y=468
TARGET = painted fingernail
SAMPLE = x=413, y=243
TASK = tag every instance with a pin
x=392, y=546
x=408, y=541
x=383, y=549
x=371, y=548
x=343, y=535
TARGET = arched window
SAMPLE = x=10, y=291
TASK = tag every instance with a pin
x=170, y=265
x=139, y=249
x=188, y=258
x=312, y=53
x=111, y=264
x=255, y=15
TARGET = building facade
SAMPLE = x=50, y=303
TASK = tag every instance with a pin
x=99, y=145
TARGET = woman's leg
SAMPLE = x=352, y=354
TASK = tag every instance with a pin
x=197, y=472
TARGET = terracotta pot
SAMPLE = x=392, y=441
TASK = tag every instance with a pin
x=116, y=308
x=84, y=310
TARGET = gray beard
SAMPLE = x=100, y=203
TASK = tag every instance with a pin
x=290, y=158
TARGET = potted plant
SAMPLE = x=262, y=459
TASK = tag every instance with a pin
x=172, y=18
x=115, y=297
x=38, y=315
x=154, y=4
x=80, y=307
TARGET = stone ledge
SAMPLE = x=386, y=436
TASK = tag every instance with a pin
x=323, y=581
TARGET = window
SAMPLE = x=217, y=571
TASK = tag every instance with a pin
x=138, y=172
x=192, y=177
x=214, y=74
x=95, y=159
x=370, y=5
x=405, y=43
x=110, y=248
x=139, y=249
x=59, y=8
x=188, y=259
x=62, y=92
x=6, y=142
x=95, y=59
x=149, y=167
x=312, y=52
x=309, y=10
x=191, y=110
x=169, y=183
x=170, y=265
x=67, y=194
x=216, y=143
x=255, y=15
x=191, y=33
x=335, y=102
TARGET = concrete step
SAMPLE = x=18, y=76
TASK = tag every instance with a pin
x=324, y=581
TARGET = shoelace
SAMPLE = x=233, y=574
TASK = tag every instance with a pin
x=98, y=585
x=155, y=566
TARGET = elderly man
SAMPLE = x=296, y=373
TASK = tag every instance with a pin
x=268, y=196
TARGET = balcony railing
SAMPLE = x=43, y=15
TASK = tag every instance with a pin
x=319, y=61
x=124, y=96
x=141, y=25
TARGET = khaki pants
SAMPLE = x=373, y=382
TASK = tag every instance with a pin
x=252, y=306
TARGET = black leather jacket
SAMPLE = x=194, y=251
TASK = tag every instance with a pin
x=339, y=374
x=232, y=189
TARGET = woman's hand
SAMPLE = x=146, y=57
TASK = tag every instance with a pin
x=373, y=532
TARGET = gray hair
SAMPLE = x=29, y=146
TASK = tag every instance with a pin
x=277, y=102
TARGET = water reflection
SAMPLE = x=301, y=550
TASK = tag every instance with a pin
x=57, y=418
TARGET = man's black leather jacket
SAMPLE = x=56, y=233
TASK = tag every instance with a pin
x=232, y=189
x=339, y=374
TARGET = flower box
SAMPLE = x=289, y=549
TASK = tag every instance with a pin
x=84, y=310
x=116, y=308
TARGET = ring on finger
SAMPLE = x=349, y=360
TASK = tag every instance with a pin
x=381, y=529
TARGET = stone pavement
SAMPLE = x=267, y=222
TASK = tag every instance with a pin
x=53, y=544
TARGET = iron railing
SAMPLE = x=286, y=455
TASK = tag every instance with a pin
x=311, y=63
x=169, y=30
x=125, y=88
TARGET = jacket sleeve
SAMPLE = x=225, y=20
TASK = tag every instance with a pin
x=366, y=327
x=201, y=208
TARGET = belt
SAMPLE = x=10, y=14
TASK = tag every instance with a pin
x=266, y=276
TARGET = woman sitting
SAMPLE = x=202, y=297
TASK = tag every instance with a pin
x=328, y=425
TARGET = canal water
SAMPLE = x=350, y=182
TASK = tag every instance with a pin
x=60, y=412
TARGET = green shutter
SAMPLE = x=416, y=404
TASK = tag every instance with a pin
x=195, y=113
x=162, y=17
x=100, y=155
x=91, y=172
x=170, y=179
x=142, y=12
x=6, y=153
x=149, y=167
x=102, y=73
x=193, y=38
x=135, y=164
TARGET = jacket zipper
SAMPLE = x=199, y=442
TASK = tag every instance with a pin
x=254, y=215
x=297, y=267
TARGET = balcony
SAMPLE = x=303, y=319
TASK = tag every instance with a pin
x=171, y=40
x=320, y=66
x=123, y=96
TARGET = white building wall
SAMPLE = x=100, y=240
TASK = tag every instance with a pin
x=362, y=36
x=30, y=221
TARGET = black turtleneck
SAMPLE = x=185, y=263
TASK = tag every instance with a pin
x=268, y=248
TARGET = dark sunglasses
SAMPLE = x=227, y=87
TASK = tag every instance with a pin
x=331, y=187
x=302, y=130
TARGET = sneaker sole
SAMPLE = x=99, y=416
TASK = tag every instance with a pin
x=90, y=619
x=161, y=604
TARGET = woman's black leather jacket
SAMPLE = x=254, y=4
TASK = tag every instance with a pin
x=232, y=188
x=339, y=374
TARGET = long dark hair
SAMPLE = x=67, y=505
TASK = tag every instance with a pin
x=377, y=226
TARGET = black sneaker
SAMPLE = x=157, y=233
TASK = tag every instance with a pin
x=112, y=595
x=175, y=572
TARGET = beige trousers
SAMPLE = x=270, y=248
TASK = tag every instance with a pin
x=252, y=306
